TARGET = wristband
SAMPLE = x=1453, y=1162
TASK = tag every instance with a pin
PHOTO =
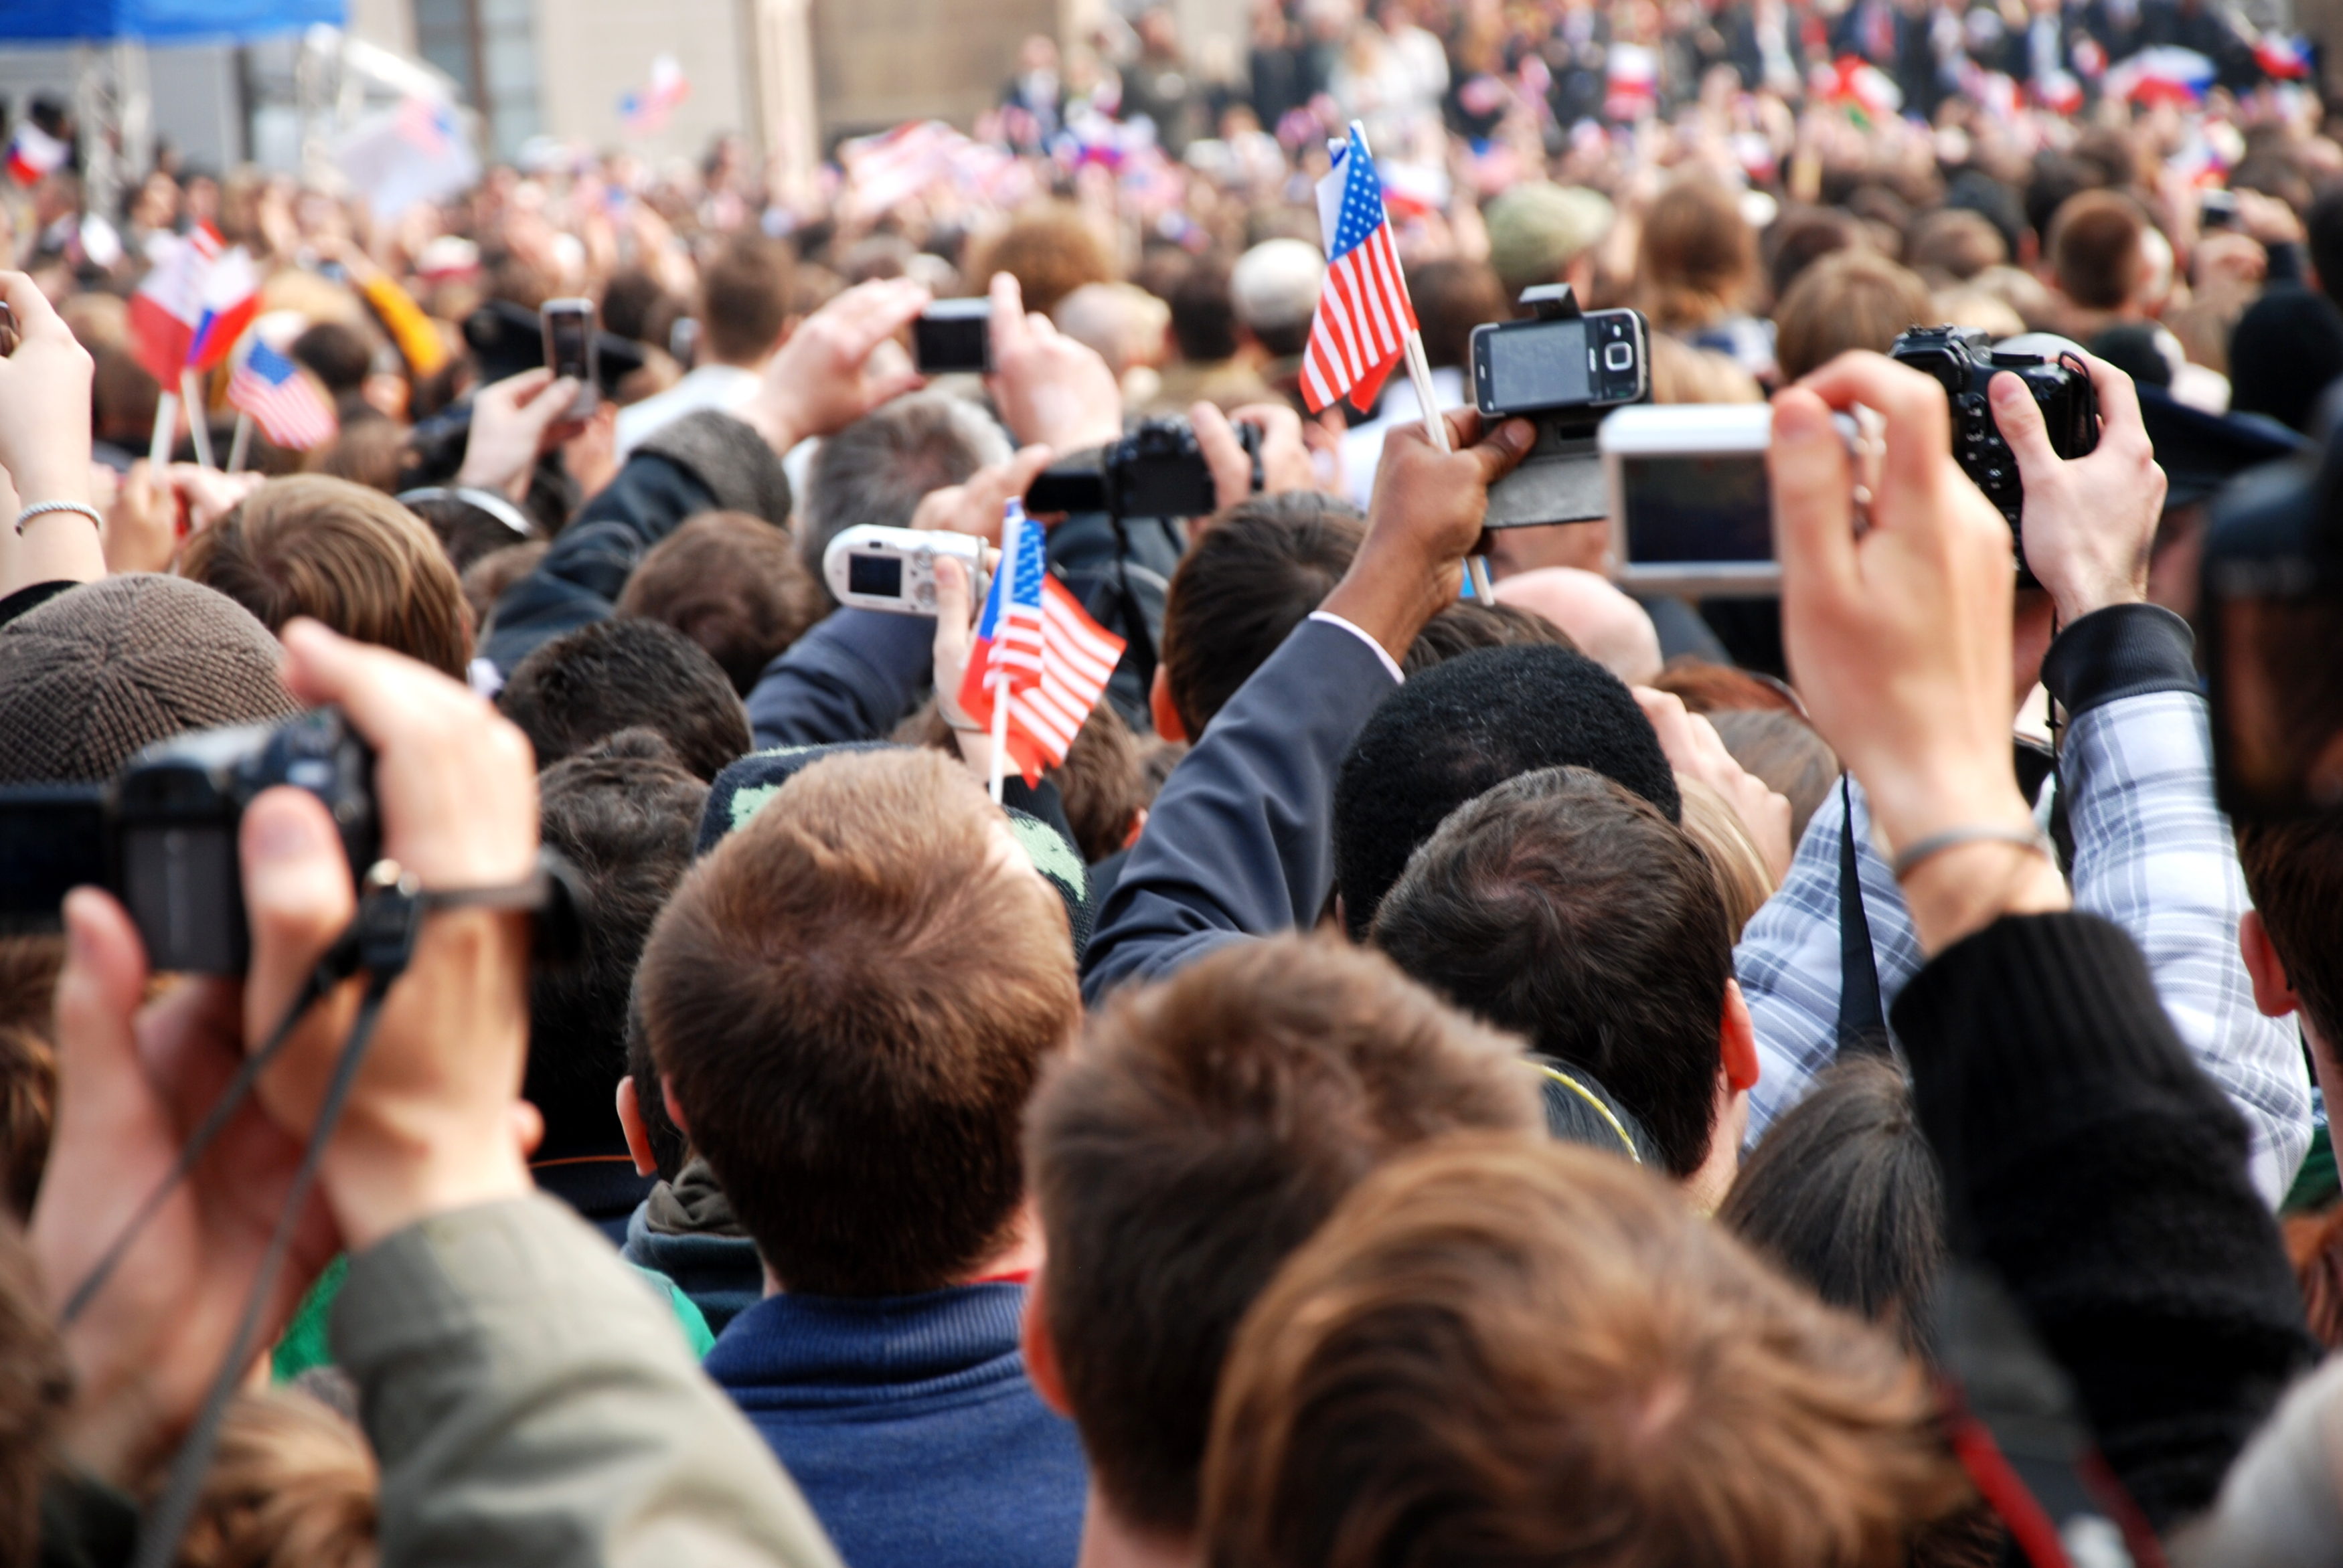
x=43, y=508
x=2025, y=837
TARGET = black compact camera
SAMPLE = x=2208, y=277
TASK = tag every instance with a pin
x=953, y=336
x=1963, y=359
x=1156, y=470
x=162, y=836
x=1564, y=370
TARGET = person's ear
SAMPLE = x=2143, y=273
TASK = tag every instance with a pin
x=674, y=1111
x=639, y=1135
x=2272, y=995
x=1737, y=1042
x=1041, y=1368
x=1161, y=710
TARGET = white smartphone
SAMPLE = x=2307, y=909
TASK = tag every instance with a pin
x=874, y=568
x=1691, y=509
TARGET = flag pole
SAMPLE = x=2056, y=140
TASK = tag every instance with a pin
x=1419, y=371
x=241, y=445
x=1005, y=585
x=167, y=422
x=198, y=418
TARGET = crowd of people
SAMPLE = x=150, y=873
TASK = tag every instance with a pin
x=1567, y=1076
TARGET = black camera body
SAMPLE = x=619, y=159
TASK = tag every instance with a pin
x=163, y=836
x=1963, y=360
x=1156, y=470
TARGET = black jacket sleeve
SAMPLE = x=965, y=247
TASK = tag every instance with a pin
x=2093, y=1167
x=703, y=462
x=852, y=677
x=1238, y=843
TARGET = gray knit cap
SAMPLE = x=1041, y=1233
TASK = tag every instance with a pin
x=103, y=669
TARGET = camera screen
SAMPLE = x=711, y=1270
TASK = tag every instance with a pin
x=565, y=342
x=1696, y=508
x=944, y=342
x=881, y=576
x=1540, y=365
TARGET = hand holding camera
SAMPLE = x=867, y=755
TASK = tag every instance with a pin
x=2089, y=521
x=514, y=422
x=1273, y=462
x=1051, y=390
x=975, y=507
x=839, y=365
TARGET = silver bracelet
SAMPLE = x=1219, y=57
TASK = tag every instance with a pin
x=2027, y=838
x=42, y=508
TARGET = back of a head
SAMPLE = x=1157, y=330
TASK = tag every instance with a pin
x=1471, y=723
x=1499, y=1354
x=1452, y=296
x=1957, y=242
x=1843, y=1193
x=850, y=998
x=1743, y=881
x=294, y=1486
x=624, y=813
x=1802, y=236
x=1698, y=258
x=1600, y=621
x=2284, y=353
x=2094, y=248
x=2294, y=870
x=745, y=297
x=732, y=583
x=2055, y=180
x=1857, y=299
x=1259, y=571
x=337, y=353
x=1204, y=314
x=1561, y=906
x=877, y=469
x=1275, y=286
x=1468, y=625
x=1052, y=250
x=341, y=554
x=1201, y=1130
x=1783, y=751
x=111, y=667
x=613, y=675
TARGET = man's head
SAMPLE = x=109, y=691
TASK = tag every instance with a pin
x=1452, y=298
x=612, y=675
x=849, y=1001
x=1561, y=906
x=745, y=299
x=732, y=583
x=624, y=813
x=1857, y=299
x=1955, y=243
x=1498, y=1353
x=877, y=468
x=1274, y=287
x=1203, y=1129
x=1473, y=722
x=2293, y=937
x=1242, y=590
x=1602, y=622
x=1539, y=233
x=1204, y=314
x=2095, y=249
x=341, y=554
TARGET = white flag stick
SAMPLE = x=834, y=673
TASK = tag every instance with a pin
x=238, y=447
x=1006, y=585
x=166, y=424
x=191, y=392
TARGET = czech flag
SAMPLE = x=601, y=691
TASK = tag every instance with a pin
x=2165, y=74
x=2285, y=57
x=195, y=302
x=34, y=154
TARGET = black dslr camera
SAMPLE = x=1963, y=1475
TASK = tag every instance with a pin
x=162, y=836
x=1963, y=359
x=1156, y=470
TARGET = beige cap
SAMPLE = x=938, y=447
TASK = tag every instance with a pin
x=1537, y=229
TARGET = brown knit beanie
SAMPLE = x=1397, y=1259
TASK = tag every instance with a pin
x=99, y=671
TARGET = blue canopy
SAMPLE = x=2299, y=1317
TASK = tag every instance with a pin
x=158, y=21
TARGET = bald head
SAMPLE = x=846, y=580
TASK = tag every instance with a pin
x=1608, y=627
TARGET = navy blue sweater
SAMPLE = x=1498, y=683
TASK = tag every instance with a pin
x=908, y=1424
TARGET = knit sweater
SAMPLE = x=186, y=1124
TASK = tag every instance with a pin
x=2091, y=1165
x=909, y=1426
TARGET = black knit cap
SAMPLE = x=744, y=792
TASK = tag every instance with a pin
x=1468, y=725
x=109, y=667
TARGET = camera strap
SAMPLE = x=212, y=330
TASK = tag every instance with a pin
x=1862, y=1025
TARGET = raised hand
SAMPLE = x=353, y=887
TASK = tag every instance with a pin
x=2089, y=522
x=840, y=364
x=1052, y=391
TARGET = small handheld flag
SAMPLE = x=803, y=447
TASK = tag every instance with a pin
x=1364, y=315
x=644, y=112
x=1037, y=650
x=34, y=154
x=288, y=407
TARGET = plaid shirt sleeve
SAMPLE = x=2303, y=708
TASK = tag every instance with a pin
x=2152, y=853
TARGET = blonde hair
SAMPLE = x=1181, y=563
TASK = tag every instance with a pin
x=1742, y=878
x=294, y=1486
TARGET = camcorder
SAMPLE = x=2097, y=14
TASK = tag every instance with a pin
x=2270, y=635
x=1963, y=359
x=1563, y=370
x=162, y=836
x=1156, y=470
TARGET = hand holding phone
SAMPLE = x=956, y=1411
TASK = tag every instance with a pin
x=571, y=349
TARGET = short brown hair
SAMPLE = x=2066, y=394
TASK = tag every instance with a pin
x=2094, y=252
x=1957, y=242
x=345, y=555
x=1697, y=260
x=851, y=999
x=733, y=584
x=1102, y=784
x=1201, y=1130
x=1051, y=250
x=2294, y=870
x=294, y=1486
x=1254, y=576
x=1855, y=300
x=744, y=294
x=1506, y=1352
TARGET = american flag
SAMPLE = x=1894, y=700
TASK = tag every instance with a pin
x=291, y=412
x=1035, y=641
x=1363, y=313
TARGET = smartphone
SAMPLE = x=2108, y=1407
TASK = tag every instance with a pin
x=570, y=349
x=1692, y=511
x=1599, y=360
x=953, y=336
x=873, y=566
x=2217, y=209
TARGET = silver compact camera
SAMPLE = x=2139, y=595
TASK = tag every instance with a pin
x=874, y=568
